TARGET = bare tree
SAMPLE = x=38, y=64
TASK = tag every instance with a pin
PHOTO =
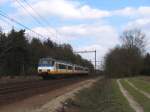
x=134, y=38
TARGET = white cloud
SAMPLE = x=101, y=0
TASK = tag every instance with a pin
x=64, y=9
x=142, y=11
x=69, y=9
x=5, y=26
x=86, y=30
x=125, y=11
x=140, y=23
x=89, y=13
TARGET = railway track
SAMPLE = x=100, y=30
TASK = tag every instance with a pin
x=10, y=93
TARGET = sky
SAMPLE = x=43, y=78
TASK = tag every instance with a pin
x=85, y=24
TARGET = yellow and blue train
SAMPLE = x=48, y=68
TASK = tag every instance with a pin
x=49, y=67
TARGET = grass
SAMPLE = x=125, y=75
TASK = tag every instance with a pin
x=140, y=98
x=144, y=78
x=141, y=84
x=104, y=96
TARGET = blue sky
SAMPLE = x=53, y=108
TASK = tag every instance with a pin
x=85, y=24
x=114, y=4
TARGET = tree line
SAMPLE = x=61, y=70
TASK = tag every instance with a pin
x=129, y=58
x=19, y=56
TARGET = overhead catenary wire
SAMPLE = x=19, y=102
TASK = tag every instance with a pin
x=35, y=17
x=3, y=14
x=40, y=16
x=7, y=22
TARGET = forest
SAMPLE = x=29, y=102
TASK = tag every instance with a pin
x=20, y=56
x=130, y=58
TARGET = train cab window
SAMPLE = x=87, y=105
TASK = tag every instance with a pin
x=70, y=68
x=46, y=62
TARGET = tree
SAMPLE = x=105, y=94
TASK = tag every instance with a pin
x=15, y=53
x=134, y=39
x=127, y=59
x=146, y=65
x=49, y=43
x=37, y=51
x=2, y=50
x=119, y=62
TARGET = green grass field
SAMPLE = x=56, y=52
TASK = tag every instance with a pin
x=104, y=96
x=140, y=98
x=141, y=83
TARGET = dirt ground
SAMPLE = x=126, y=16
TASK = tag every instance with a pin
x=46, y=102
x=15, y=79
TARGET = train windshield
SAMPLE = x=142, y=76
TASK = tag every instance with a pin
x=46, y=62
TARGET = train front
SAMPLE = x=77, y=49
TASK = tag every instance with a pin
x=45, y=67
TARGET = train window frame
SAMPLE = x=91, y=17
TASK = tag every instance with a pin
x=78, y=68
x=70, y=67
x=46, y=62
x=86, y=69
x=62, y=66
x=57, y=65
x=53, y=62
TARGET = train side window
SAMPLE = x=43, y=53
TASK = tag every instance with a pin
x=77, y=68
x=61, y=66
x=57, y=66
x=70, y=68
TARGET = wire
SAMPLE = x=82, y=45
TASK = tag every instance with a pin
x=20, y=24
x=28, y=12
x=34, y=17
x=41, y=17
x=36, y=13
x=7, y=22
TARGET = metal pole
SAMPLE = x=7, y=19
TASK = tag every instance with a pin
x=89, y=52
x=95, y=60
